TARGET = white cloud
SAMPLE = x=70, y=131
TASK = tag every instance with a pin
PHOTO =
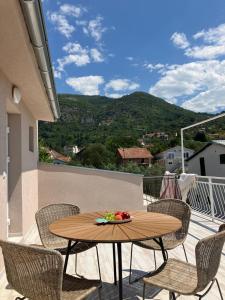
x=121, y=85
x=77, y=55
x=95, y=28
x=214, y=35
x=96, y=55
x=114, y=95
x=71, y=10
x=206, y=52
x=61, y=23
x=86, y=85
x=212, y=43
x=57, y=74
x=74, y=48
x=180, y=40
x=130, y=58
x=208, y=101
x=191, y=82
x=77, y=59
x=158, y=67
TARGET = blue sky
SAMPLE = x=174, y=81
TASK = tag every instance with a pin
x=172, y=49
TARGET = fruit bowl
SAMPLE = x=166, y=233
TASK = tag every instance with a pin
x=120, y=221
x=118, y=217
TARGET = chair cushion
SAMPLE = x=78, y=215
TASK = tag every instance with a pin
x=76, y=288
x=177, y=276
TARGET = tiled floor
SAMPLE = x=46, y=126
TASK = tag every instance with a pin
x=143, y=261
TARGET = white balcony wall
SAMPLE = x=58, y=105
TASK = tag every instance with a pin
x=90, y=189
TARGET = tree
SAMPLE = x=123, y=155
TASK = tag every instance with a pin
x=200, y=136
x=96, y=155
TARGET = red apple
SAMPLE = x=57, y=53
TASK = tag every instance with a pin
x=120, y=213
x=125, y=215
x=118, y=217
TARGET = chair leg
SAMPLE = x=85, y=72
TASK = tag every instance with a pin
x=76, y=273
x=155, y=259
x=131, y=256
x=217, y=282
x=172, y=296
x=144, y=291
x=99, y=269
x=185, y=253
x=99, y=293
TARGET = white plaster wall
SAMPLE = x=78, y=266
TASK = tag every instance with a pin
x=212, y=161
x=5, y=92
x=90, y=189
x=29, y=171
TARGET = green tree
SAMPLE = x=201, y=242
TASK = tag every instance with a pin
x=96, y=155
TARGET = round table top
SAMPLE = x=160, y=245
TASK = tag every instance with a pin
x=144, y=225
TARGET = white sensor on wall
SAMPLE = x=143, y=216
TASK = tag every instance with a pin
x=16, y=95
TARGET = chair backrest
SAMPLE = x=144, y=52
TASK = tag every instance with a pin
x=47, y=215
x=175, y=208
x=35, y=273
x=221, y=227
x=208, y=254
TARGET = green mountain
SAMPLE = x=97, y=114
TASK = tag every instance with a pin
x=97, y=119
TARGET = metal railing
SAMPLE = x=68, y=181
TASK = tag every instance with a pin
x=207, y=196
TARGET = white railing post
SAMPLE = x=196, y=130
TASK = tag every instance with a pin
x=211, y=198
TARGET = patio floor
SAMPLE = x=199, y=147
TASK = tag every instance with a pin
x=200, y=227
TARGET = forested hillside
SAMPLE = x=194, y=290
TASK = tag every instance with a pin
x=97, y=119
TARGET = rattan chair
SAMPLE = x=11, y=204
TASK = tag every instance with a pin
x=47, y=215
x=175, y=208
x=37, y=273
x=187, y=279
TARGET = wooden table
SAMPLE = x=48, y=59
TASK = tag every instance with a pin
x=144, y=226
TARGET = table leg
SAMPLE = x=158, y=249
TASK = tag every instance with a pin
x=163, y=250
x=67, y=256
x=120, y=271
x=114, y=263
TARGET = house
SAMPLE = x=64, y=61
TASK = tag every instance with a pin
x=59, y=158
x=27, y=94
x=141, y=156
x=71, y=149
x=208, y=161
x=157, y=134
x=171, y=158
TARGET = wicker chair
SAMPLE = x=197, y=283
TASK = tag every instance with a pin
x=175, y=208
x=187, y=279
x=47, y=215
x=37, y=273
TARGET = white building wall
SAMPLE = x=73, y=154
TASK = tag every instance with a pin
x=212, y=161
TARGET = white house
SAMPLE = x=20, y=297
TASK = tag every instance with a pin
x=171, y=158
x=209, y=161
x=27, y=94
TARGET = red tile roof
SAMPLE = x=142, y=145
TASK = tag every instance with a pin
x=128, y=153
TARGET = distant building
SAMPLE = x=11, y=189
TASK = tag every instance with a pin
x=157, y=134
x=171, y=158
x=73, y=149
x=140, y=156
x=58, y=158
x=209, y=161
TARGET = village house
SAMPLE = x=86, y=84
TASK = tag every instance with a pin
x=171, y=158
x=140, y=156
x=208, y=161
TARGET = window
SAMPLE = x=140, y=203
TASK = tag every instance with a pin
x=31, y=139
x=186, y=154
x=222, y=159
x=170, y=155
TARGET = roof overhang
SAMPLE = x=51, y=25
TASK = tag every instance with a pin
x=19, y=59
